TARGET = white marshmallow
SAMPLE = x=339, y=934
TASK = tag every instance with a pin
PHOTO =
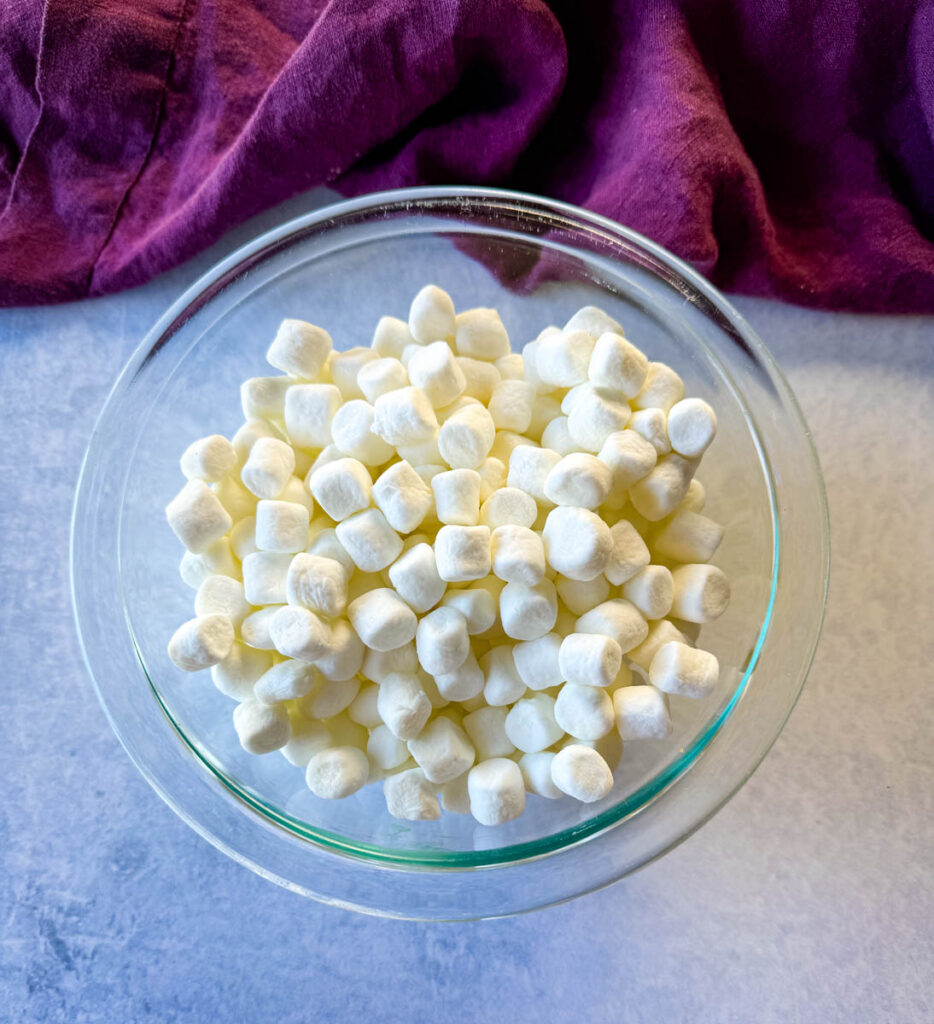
x=529, y=356
x=431, y=315
x=692, y=425
x=617, y=365
x=492, y=477
x=579, y=596
x=518, y=555
x=442, y=750
x=381, y=376
x=629, y=457
x=577, y=542
x=616, y=618
x=329, y=697
x=341, y=487
x=326, y=545
x=531, y=724
x=345, y=367
x=479, y=378
x=658, y=494
x=287, y=680
x=562, y=359
x=536, y=774
x=296, y=491
x=694, y=500
x=403, y=705
x=528, y=612
x=480, y=334
x=580, y=772
x=415, y=576
x=628, y=554
x=683, y=670
x=497, y=791
x=262, y=398
x=502, y=684
x=651, y=590
x=268, y=467
x=299, y=633
x=402, y=496
x=197, y=517
x=537, y=663
x=660, y=633
x=385, y=750
x=221, y=595
x=590, y=659
x=579, y=479
x=318, y=583
x=652, y=424
x=486, y=728
x=281, y=526
x=545, y=410
x=511, y=366
x=379, y=664
x=434, y=369
x=661, y=390
x=363, y=709
x=305, y=740
x=511, y=405
x=441, y=641
x=201, y=642
x=506, y=442
x=369, y=540
x=464, y=683
x=411, y=797
x=404, y=417
x=594, y=416
x=300, y=349
x=529, y=468
x=261, y=728
x=352, y=434
x=309, y=410
x=457, y=496
x=391, y=337
x=209, y=459
x=573, y=394
x=478, y=606
x=701, y=592
x=641, y=713
x=593, y=320
x=264, y=577
x=382, y=619
x=463, y=553
x=688, y=537
x=337, y=772
x=584, y=712
x=466, y=437
x=254, y=630
x=455, y=798
x=248, y=433
x=344, y=655
x=238, y=501
x=508, y=506
x=236, y=674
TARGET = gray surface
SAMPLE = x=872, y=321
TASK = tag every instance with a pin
x=808, y=898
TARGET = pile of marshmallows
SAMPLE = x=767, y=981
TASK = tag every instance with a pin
x=436, y=561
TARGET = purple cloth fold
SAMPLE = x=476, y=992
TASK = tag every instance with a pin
x=784, y=149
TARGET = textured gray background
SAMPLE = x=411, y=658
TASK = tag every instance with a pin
x=810, y=897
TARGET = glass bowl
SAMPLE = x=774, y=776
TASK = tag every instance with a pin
x=343, y=267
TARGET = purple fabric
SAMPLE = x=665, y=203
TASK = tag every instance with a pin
x=783, y=148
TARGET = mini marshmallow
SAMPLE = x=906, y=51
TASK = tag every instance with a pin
x=683, y=670
x=562, y=359
x=363, y=709
x=593, y=320
x=463, y=553
x=424, y=453
x=404, y=417
x=288, y=680
x=594, y=416
x=518, y=555
x=248, y=433
x=380, y=376
x=688, y=537
x=616, y=618
x=201, y=642
x=660, y=633
x=480, y=334
x=692, y=425
x=529, y=468
x=629, y=457
x=415, y=577
x=344, y=368
x=431, y=315
x=652, y=424
x=537, y=662
x=197, y=517
x=651, y=591
x=442, y=750
x=411, y=797
x=584, y=712
x=261, y=728
x=402, y=496
x=236, y=674
x=268, y=467
x=479, y=378
x=235, y=498
x=617, y=365
x=344, y=655
x=496, y=790
x=379, y=664
x=580, y=772
x=209, y=459
x=309, y=410
x=694, y=500
x=281, y=526
x=369, y=540
x=506, y=442
x=466, y=437
x=492, y=477
x=434, y=369
x=341, y=488
x=434, y=696
x=403, y=706
x=579, y=596
x=464, y=683
x=572, y=395
x=296, y=491
x=536, y=774
x=382, y=619
x=385, y=750
x=508, y=506
x=531, y=725
x=661, y=390
x=528, y=612
x=262, y=398
x=299, y=633
x=441, y=641
x=337, y=772
x=352, y=434
x=545, y=409
x=478, y=606
x=701, y=592
x=641, y=713
x=628, y=554
x=577, y=542
x=264, y=577
x=329, y=697
x=318, y=583
x=391, y=337
x=326, y=545
x=455, y=798
x=255, y=627
x=307, y=738
x=659, y=493
x=511, y=405
x=557, y=437
x=300, y=349
x=457, y=496
x=502, y=684
x=511, y=366
x=221, y=595
x=590, y=659
x=579, y=479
